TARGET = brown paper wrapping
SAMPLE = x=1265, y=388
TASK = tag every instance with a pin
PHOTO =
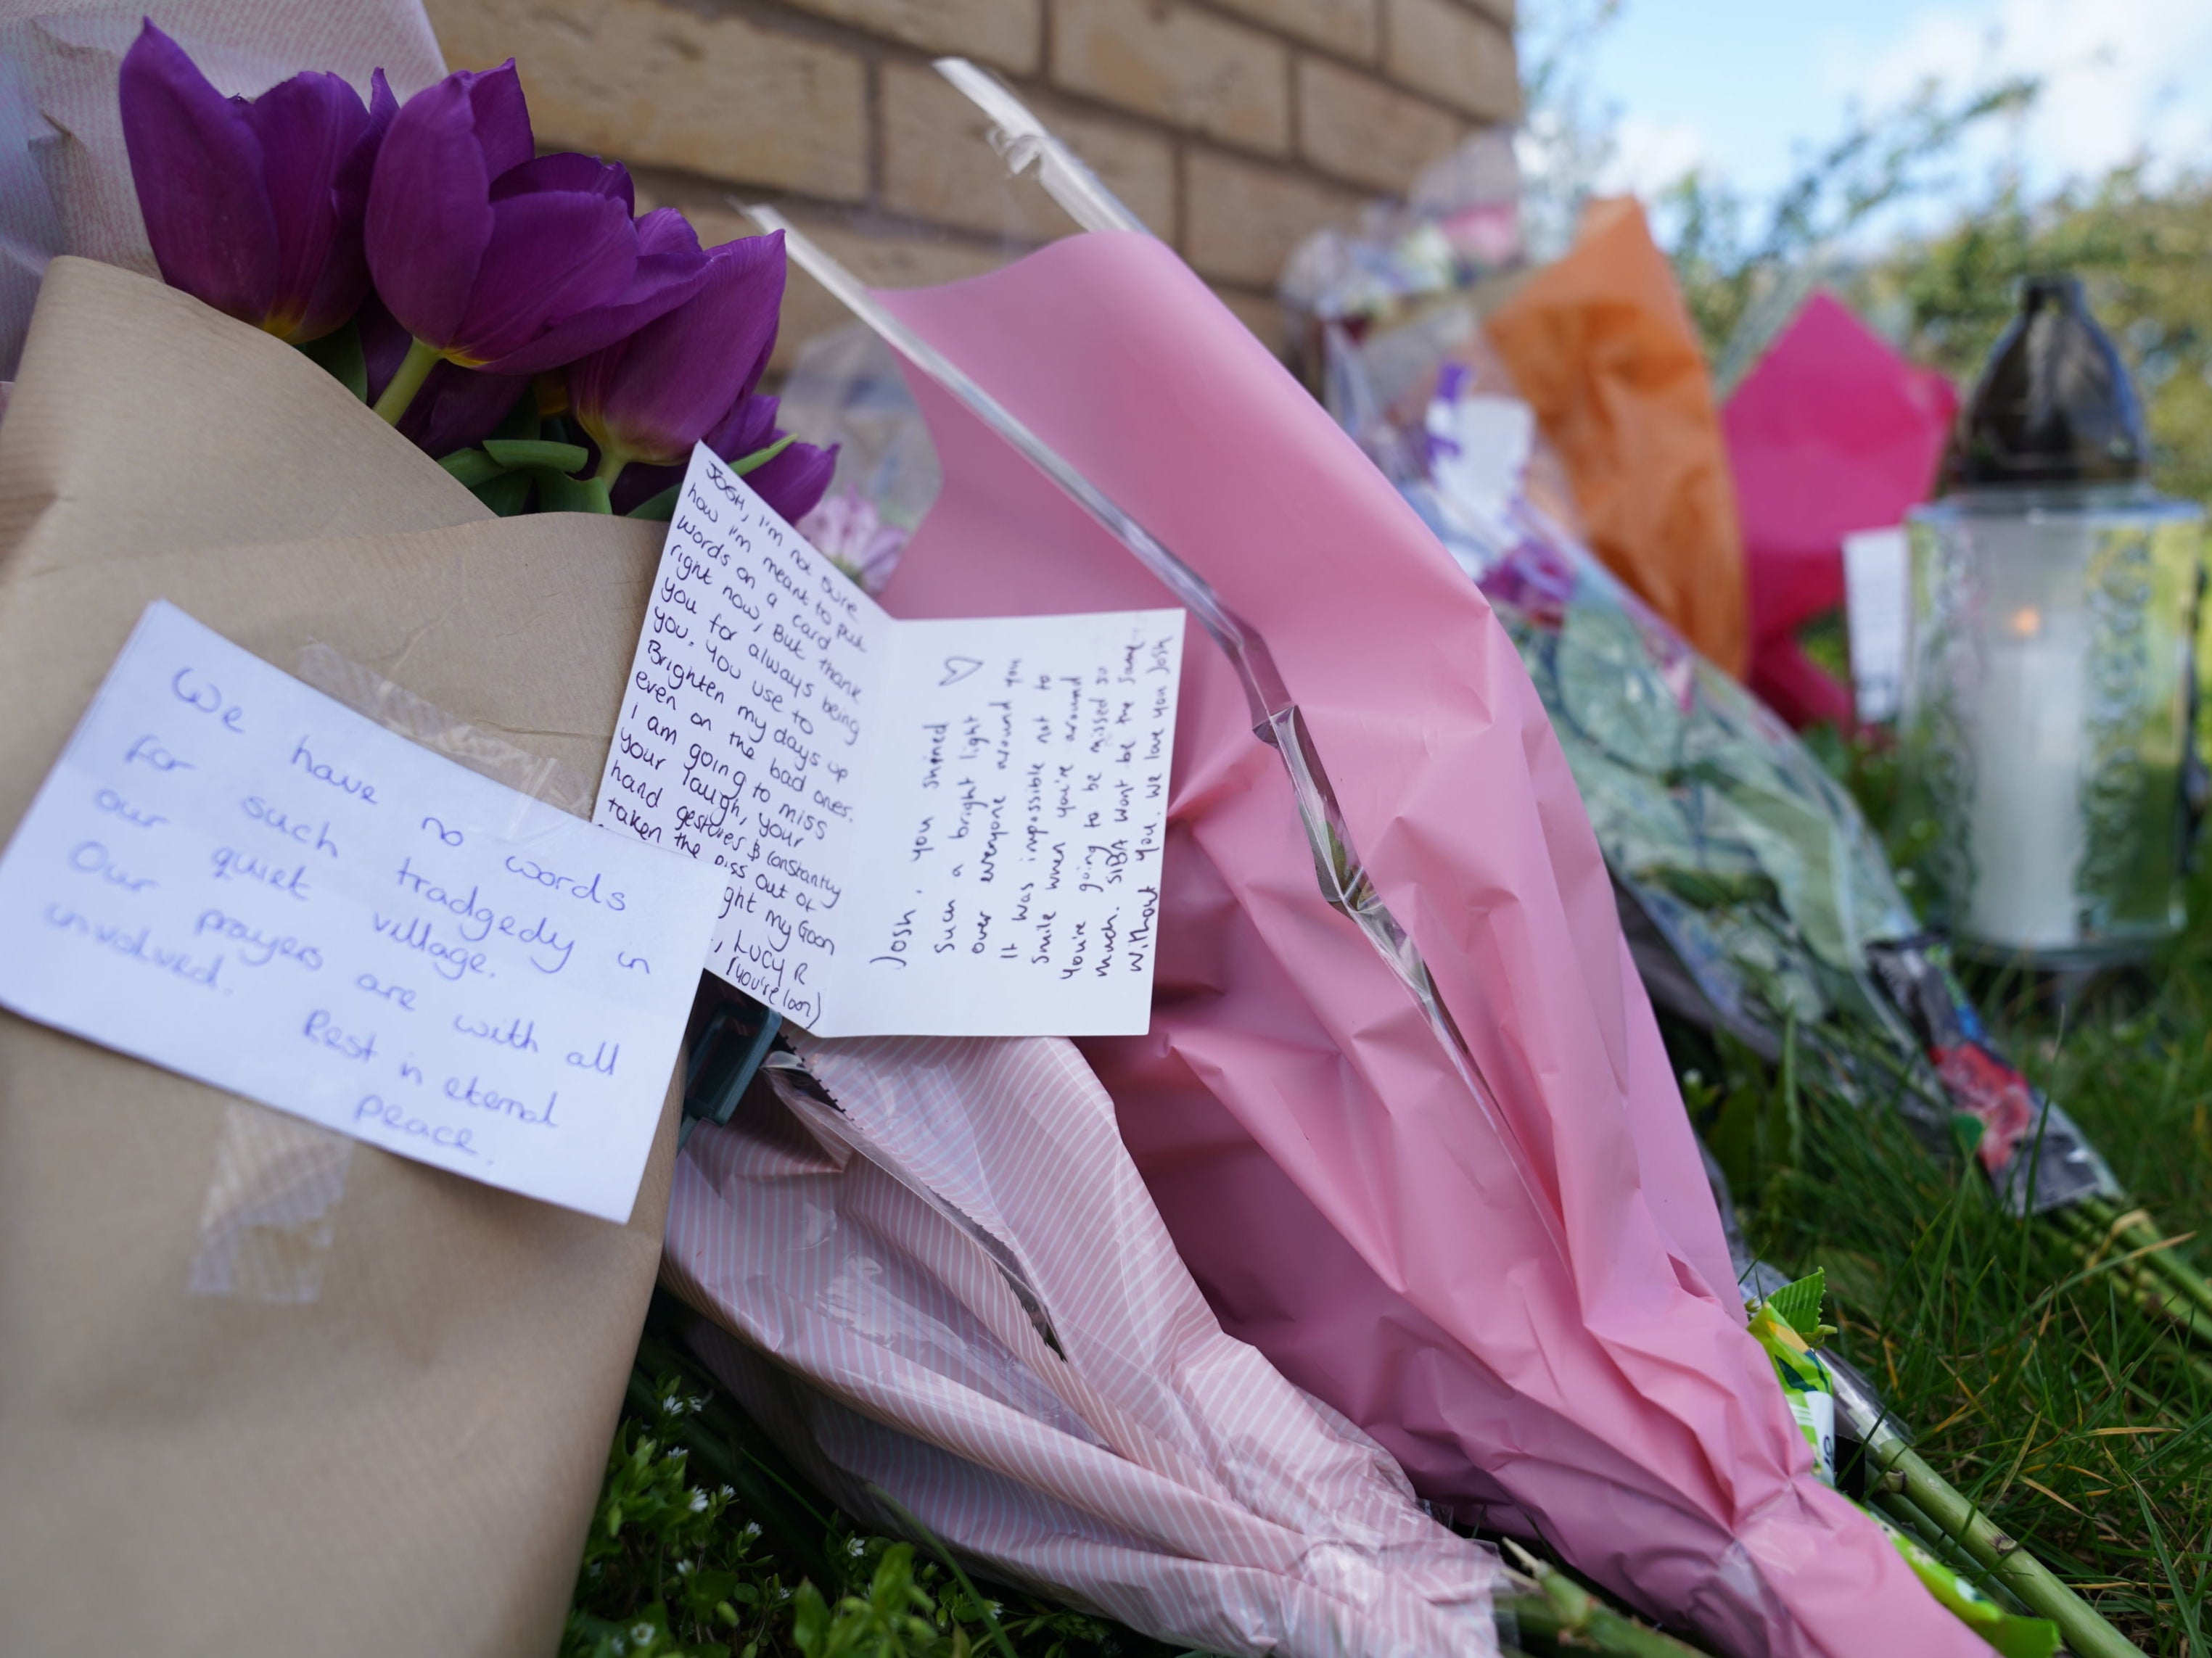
x=1601, y=346
x=67, y=54
x=405, y=1463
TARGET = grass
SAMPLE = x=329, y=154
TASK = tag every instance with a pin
x=2021, y=1351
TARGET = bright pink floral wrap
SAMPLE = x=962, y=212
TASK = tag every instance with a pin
x=1348, y=1206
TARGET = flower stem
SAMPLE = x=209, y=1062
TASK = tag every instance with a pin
x=414, y=368
x=2085, y=1632
x=597, y=494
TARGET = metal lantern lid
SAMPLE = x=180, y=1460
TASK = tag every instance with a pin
x=2054, y=406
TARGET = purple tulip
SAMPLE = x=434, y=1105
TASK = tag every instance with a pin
x=253, y=205
x=795, y=480
x=649, y=397
x=493, y=258
x=792, y=481
x=456, y=409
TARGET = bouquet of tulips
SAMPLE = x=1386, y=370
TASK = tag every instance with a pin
x=508, y=311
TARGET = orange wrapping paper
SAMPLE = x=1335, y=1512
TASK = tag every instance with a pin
x=1603, y=348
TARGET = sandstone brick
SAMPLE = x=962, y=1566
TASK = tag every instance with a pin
x=1444, y=49
x=937, y=165
x=1007, y=33
x=1177, y=64
x=640, y=81
x=1245, y=219
x=1345, y=26
x=1362, y=128
x=881, y=258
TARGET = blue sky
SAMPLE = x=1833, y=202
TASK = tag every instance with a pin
x=1732, y=85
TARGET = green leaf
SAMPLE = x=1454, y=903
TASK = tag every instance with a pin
x=1798, y=1305
x=744, y=463
x=472, y=466
x=660, y=508
x=559, y=493
x=508, y=495
x=809, y=1622
x=338, y=353
x=532, y=452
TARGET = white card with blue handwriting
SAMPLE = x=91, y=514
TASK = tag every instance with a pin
x=920, y=827
x=231, y=876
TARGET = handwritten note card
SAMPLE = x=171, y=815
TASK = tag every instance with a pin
x=925, y=828
x=232, y=876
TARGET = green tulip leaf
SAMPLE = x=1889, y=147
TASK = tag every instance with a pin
x=339, y=354
x=533, y=452
x=661, y=508
x=472, y=466
x=559, y=493
x=744, y=463
x=506, y=495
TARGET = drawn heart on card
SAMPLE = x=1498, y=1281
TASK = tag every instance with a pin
x=958, y=668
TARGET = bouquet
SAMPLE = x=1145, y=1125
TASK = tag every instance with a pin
x=1758, y=902
x=506, y=311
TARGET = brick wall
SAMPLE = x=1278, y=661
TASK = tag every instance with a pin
x=1232, y=127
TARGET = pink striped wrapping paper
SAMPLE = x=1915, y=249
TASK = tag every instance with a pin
x=877, y=1275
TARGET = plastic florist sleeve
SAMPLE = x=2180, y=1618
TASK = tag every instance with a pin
x=1759, y=896
x=1517, y=1283
x=930, y=1270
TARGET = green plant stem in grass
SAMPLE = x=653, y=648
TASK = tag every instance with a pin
x=2021, y=1574
x=2156, y=1295
x=1904, y=1512
x=2133, y=1232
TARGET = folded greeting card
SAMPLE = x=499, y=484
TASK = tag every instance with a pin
x=933, y=827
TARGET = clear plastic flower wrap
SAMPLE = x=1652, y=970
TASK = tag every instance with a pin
x=1756, y=896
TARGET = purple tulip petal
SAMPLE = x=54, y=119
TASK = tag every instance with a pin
x=750, y=425
x=502, y=118
x=586, y=175
x=458, y=408
x=383, y=345
x=198, y=166
x=658, y=393
x=429, y=212
x=343, y=285
x=794, y=483
x=639, y=484
x=309, y=127
x=551, y=256
x=382, y=105
x=659, y=286
x=664, y=233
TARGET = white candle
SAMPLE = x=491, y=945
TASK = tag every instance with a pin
x=2026, y=827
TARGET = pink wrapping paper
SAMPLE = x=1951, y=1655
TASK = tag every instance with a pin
x=1832, y=432
x=877, y=1273
x=1346, y=1202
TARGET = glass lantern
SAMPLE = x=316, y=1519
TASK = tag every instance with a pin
x=2047, y=731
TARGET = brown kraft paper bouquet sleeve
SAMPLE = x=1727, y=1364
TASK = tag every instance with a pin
x=406, y=1461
